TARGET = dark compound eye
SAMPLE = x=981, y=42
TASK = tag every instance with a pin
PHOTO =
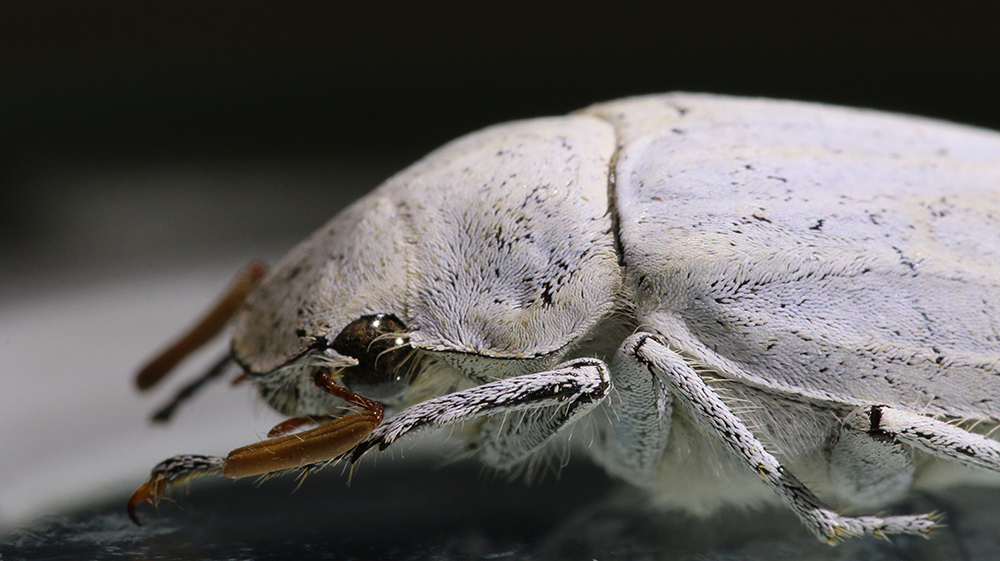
x=379, y=344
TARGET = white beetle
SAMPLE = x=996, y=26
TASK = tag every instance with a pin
x=727, y=291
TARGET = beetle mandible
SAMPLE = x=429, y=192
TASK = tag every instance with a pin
x=718, y=287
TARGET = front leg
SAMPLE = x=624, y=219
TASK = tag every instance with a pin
x=567, y=392
x=637, y=409
x=715, y=416
x=571, y=390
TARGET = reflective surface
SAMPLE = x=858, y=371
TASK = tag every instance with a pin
x=413, y=510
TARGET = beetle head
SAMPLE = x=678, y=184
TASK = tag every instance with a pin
x=496, y=248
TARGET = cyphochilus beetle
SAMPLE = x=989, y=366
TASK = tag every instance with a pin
x=734, y=295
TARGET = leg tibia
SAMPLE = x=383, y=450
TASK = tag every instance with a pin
x=568, y=391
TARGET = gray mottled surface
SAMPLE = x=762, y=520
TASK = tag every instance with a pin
x=410, y=510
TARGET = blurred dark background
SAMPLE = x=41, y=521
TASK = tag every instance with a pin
x=131, y=131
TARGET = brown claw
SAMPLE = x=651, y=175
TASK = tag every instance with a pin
x=150, y=492
x=168, y=473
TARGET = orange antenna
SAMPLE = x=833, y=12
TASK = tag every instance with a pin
x=213, y=322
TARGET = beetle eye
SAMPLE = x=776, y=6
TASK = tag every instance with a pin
x=379, y=343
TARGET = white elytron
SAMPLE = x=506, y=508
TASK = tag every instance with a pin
x=734, y=295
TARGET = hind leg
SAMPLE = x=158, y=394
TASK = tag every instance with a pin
x=934, y=437
x=869, y=467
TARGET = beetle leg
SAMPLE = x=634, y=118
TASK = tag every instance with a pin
x=319, y=445
x=302, y=450
x=324, y=380
x=935, y=437
x=569, y=391
x=307, y=449
x=868, y=466
x=168, y=473
x=328, y=383
x=290, y=425
x=638, y=409
x=712, y=413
